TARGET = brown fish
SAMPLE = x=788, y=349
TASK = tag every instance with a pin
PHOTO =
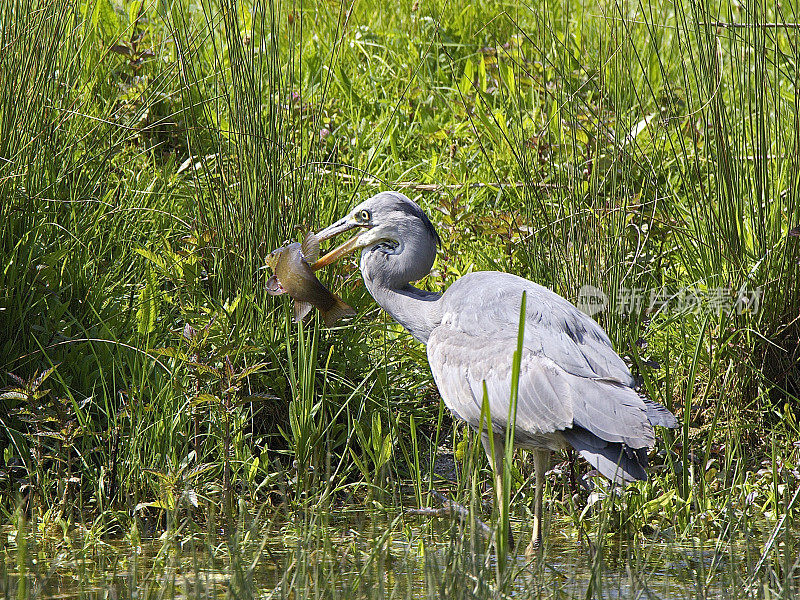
x=294, y=276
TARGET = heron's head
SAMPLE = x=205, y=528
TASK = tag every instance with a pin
x=398, y=240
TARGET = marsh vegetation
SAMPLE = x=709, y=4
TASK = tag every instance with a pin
x=166, y=430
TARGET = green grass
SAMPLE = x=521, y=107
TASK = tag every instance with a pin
x=153, y=153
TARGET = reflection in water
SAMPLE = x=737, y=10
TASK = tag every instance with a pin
x=356, y=554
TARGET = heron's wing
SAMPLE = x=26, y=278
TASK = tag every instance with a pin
x=616, y=461
x=569, y=375
x=549, y=398
x=487, y=305
x=461, y=364
x=659, y=415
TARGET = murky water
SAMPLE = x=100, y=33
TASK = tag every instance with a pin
x=356, y=554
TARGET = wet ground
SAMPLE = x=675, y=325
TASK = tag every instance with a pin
x=375, y=554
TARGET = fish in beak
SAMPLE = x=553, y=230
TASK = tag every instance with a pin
x=295, y=276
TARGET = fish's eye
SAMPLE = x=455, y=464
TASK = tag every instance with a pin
x=363, y=216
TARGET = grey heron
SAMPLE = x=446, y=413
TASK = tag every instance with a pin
x=574, y=390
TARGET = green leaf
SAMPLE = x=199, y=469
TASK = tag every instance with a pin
x=41, y=378
x=170, y=352
x=249, y=371
x=148, y=305
x=386, y=450
x=204, y=399
x=251, y=473
x=465, y=84
x=377, y=438
x=658, y=504
x=257, y=397
x=231, y=306
x=206, y=369
x=482, y=79
x=153, y=258
x=509, y=79
x=199, y=470
x=105, y=16
x=360, y=464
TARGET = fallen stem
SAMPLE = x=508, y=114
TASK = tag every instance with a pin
x=450, y=508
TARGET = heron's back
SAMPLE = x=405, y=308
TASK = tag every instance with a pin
x=573, y=387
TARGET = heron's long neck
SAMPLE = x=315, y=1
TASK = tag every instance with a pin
x=415, y=309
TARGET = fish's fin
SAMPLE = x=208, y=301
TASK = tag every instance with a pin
x=274, y=287
x=337, y=311
x=310, y=248
x=301, y=309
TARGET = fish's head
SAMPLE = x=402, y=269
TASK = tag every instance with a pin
x=274, y=256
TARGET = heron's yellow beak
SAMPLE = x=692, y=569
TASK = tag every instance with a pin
x=351, y=245
x=341, y=251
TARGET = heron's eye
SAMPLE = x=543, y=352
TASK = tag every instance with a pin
x=363, y=216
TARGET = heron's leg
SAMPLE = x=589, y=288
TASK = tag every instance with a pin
x=496, y=462
x=541, y=460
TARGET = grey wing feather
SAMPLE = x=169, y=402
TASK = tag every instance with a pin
x=460, y=367
x=659, y=415
x=549, y=398
x=612, y=411
x=570, y=374
x=612, y=459
x=486, y=304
